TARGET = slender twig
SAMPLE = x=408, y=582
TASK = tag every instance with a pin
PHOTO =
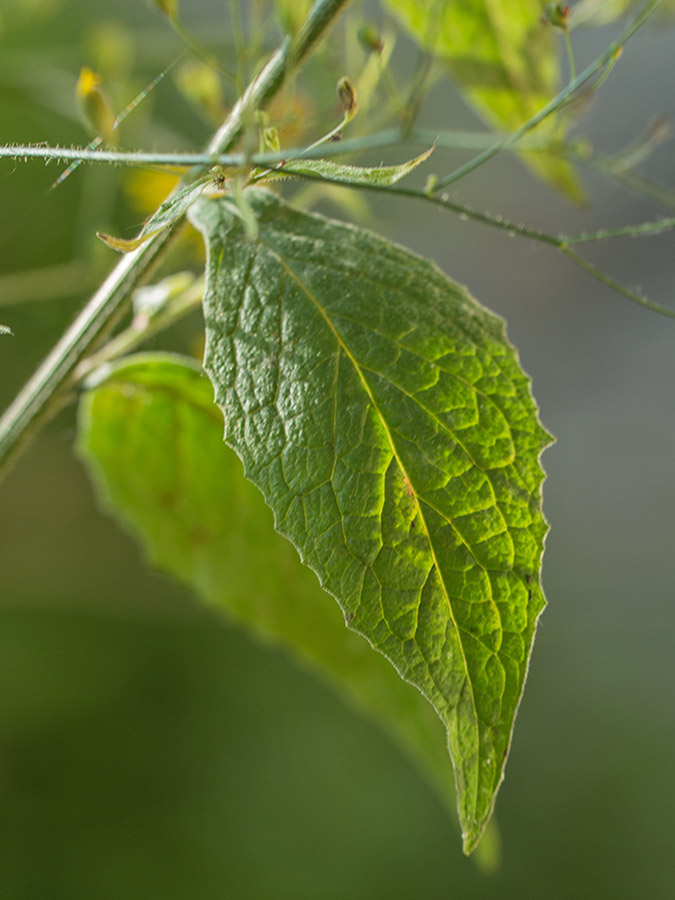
x=198, y=49
x=98, y=140
x=239, y=43
x=616, y=168
x=644, y=228
x=570, y=56
x=413, y=103
x=44, y=392
x=614, y=285
x=143, y=327
x=514, y=228
x=655, y=191
x=611, y=166
x=389, y=138
x=496, y=221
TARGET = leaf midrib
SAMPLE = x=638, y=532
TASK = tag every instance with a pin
x=314, y=300
x=453, y=434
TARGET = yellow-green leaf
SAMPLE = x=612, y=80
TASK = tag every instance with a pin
x=175, y=205
x=504, y=60
x=346, y=174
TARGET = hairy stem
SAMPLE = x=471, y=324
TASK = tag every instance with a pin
x=44, y=392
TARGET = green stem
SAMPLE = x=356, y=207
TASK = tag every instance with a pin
x=644, y=228
x=453, y=140
x=614, y=285
x=512, y=229
x=570, y=56
x=660, y=194
x=190, y=41
x=461, y=210
x=44, y=392
x=143, y=328
x=239, y=43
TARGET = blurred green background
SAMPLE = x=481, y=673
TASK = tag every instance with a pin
x=150, y=750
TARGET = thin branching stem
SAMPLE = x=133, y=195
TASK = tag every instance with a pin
x=607, y=58
x=561, y=243
x=614, y=285
x=658, y=193
x=645, y=228
x=198, y=49
x=612, y=167
x=387, y=138
x=495, y=221
x=570, y=55
x=143, y=327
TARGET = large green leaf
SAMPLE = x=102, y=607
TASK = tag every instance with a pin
x=504, y=60
x=386, y=420
x=152, y=439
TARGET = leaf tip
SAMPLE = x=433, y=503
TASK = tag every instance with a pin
x=121, y=244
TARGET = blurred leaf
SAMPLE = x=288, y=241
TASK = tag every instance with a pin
x=598, y=12
x=146, y=189
x=152, y=440
x=31, y=11
x=384, y=416
x=602, y=12
x=505, y=62
x=111, y=46
x=201, y=86
x=292, y=13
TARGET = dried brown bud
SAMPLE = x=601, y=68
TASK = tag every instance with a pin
x=557, y=14
x=167, y=7
x=347, y=95
x=370, y=38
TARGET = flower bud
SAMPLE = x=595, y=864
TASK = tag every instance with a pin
x=370, y=38
x=557, y=14
x=168, y=8
x=271, y=139
x=347, y=95
x=94, y=104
